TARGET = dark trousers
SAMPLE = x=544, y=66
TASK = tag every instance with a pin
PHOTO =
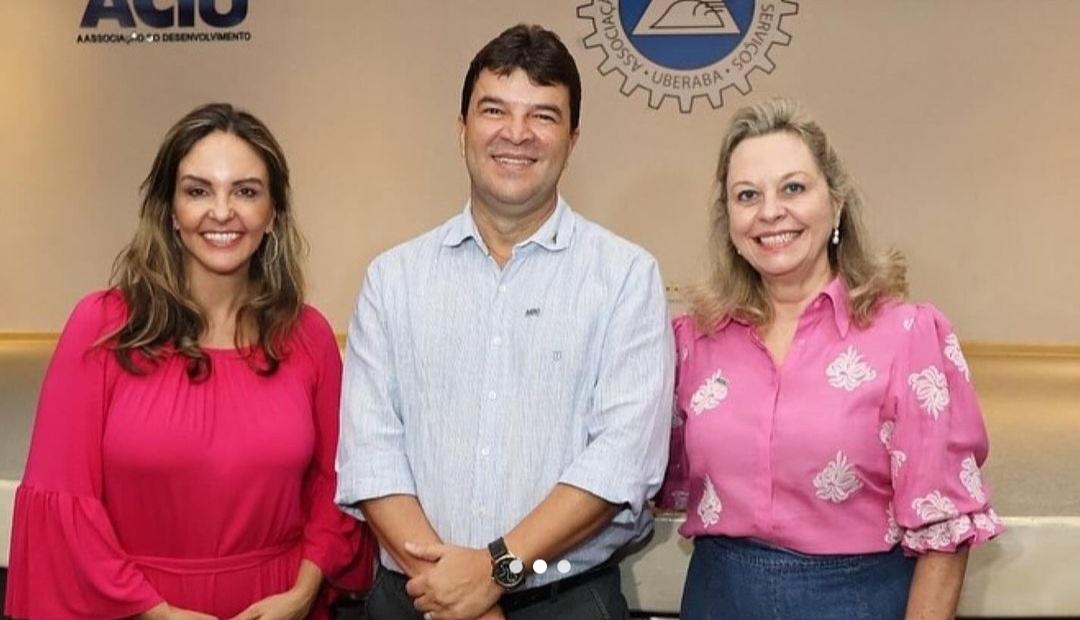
x=596, y=596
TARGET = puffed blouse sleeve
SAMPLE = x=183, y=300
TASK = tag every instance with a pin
x=66, y=561
x=937, y=442
x=342, y=548
x=675, y=491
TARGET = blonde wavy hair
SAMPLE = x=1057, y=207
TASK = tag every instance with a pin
x=734, y=288
x=149, y=272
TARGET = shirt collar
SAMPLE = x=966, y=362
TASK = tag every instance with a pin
x=461, y=228
x=835, y=294
x=554, y=234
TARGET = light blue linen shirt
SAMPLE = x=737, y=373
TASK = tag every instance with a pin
x=478, y=389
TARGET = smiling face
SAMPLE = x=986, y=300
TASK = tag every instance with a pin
x=222, y=206
x=780, y=211
x=516, y=140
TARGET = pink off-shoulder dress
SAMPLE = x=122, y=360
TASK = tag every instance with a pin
x=206, y=495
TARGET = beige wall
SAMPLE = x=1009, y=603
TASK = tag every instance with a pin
x=957, y=118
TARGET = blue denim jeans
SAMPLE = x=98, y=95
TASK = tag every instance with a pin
x=737, y=578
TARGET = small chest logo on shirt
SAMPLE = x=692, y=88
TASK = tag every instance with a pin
x=532, y=312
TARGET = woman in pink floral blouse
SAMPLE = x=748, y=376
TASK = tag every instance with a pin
x=827, y=439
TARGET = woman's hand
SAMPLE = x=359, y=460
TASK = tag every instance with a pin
x=293, y=604
x=289, y=605
x=164, y=611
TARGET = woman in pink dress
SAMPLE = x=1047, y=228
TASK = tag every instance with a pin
x=181, y=464
x=826, y=439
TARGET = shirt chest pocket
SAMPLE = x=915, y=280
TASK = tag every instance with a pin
x=551, y=366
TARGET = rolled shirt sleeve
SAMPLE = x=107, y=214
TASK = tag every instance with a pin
x=371, y=458
x=628, y=428
x=675, y=491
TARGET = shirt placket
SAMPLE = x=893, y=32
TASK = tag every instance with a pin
x=766, y=509
x=775, y=414
x=496, y=397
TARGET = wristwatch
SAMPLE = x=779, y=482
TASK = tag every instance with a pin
x=507, y=570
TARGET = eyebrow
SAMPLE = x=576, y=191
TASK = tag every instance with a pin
x=782, y=179
x=198, y=179
x=546, y=107
x=489, y=99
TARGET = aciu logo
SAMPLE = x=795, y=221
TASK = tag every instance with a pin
x=686, y=49
x=181, y=13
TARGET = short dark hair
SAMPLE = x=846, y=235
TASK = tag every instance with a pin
x=537, y=51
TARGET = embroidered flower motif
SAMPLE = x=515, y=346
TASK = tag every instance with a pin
x=837, y=481
x=896, y=457
x=886, y=432
x=934, y=507
x=848, y=371
x=984, y=523
x=971, y=477
x=959, y=526
x=909, y=323
x=934, y=536
x=956, y=356
x=679, y=500
x=993, y=516
x=939, y=536
x=896, y=460
x=894, y=533
x=709, y=395
x=709, y=508
x=913, y=539
x=916, y=539
x=931, y=389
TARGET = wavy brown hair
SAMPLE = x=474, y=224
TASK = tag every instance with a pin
x=734, y=288
x=149, y=272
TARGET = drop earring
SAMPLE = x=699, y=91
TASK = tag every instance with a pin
x=836, y=235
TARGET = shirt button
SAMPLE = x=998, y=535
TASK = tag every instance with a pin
x=491, y=395
x=502, y=288
x=484, y=452
x=496, y=341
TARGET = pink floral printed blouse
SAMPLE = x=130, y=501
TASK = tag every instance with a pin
x=862, y=439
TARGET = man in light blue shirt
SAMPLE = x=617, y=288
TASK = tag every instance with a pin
x=508, y=376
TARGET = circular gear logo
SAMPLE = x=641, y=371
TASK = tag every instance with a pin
x=686, y=49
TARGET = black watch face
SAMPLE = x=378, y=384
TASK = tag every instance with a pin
x=508, y=572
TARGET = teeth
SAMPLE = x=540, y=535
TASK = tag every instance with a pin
x=221, y=237
x=778, y=239
x=515, y=161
